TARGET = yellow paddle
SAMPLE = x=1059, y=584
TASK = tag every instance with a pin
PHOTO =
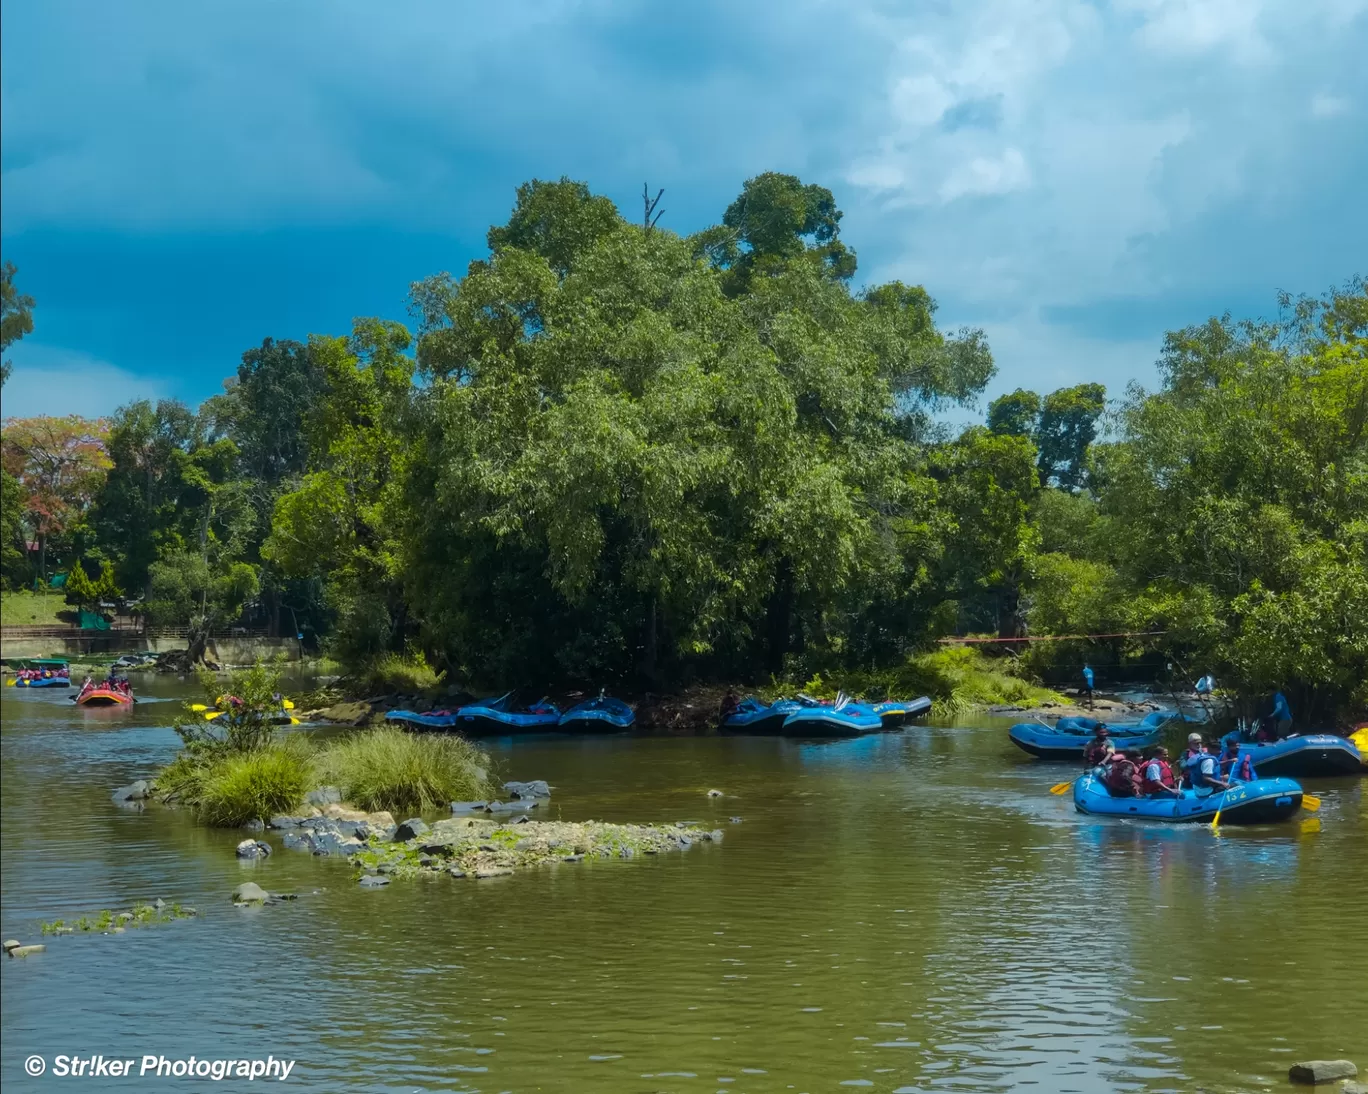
x=1060, y=788
x=211, y=715
x=198, y=708
x=1215, y=820
x=11, y=683
x=1310, y=802
x=287, y=704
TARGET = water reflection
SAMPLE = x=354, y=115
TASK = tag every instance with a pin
x=908, y=911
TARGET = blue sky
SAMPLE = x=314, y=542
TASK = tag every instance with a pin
x=182, y=180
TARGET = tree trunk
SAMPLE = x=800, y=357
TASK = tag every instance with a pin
x=650, y=646
x=779, y=615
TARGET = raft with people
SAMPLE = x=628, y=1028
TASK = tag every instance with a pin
x=1260, y=801
x=114, y=691
x=43, y=672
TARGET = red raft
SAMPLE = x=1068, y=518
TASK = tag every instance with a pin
x=104, y=695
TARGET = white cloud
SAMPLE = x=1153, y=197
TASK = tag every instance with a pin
x=1197, y=26
x=1328, y=106
x=987, y=175
x=55, y=381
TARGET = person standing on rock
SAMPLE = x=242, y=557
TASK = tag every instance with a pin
x=1088, y=685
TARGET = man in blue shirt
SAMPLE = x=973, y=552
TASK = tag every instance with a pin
x=1088, y=685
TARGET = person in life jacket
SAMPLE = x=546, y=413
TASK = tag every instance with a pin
x=1100, y=748
x=1156, y=778
x=1203, y=770
x=1122, y=775
x=1234, y=767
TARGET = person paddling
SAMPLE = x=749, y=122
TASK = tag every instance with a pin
x=1157, y=776
x=1234, y=767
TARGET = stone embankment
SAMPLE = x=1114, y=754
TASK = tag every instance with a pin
x=480, y=840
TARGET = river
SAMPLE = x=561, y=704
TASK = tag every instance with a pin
x=905, y=912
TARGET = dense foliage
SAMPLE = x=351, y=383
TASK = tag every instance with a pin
x=609, y=453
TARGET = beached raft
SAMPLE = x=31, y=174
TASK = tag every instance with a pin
x=1311, y=756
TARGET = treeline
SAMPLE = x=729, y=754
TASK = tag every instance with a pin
x=611, y=453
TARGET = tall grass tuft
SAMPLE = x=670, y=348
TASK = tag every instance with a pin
x=390, y=769
x=255, y=785
x=398, y=672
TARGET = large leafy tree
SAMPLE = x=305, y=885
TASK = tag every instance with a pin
x=629, y=455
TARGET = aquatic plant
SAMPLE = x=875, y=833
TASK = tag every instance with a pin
x=140, y=915
x=387, y=768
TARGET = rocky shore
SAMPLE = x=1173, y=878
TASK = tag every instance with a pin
x=480, y=840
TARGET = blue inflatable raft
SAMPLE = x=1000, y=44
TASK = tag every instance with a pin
x=842, y=719
x=1314, y=755
x=43, y=682
x=1050, y=743
x=496, y=717
x=1263, y=801
x=437, y=719
x=753, y=715
x=601, y=714
x=896, y=712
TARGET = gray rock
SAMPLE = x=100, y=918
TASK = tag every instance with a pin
x=25, y=951
x=280, y=820
x=715, y=835
x=1351, y=1087
x=736, y=820
x=359, y=829
x=714, y=793
x=524, y=845
x=456, y=871
x=521, y=820
x=255, y=825
x=410, y=829
x=324, y=795
x=295, y=842
x=249, y=892
x=493, y=871
x=626, y=852
x=519, y=806
x=11, y=944
x=159, y=904
x=537, y=788
x=133, y=792
x=468, y=807
x=125, y=916
x=573, y=858
x=284, y=896
x=373, y=882
x=334, y=843
x=1314, y=1072
x=253, y=848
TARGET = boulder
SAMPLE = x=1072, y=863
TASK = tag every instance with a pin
x=324, y=795
x=282, y=821
x=715, y=835
x=373, y=881
x=736, y=820
x=573, y=858
x=295, y=842
x=334, y=843
x=333, y=811
x=1351, y=1087
x=519, y=806
x=249, y=892
x=537, y=788
x=25, y=951
x=381, y=818
x=11, y=944
x=159, y=904
x=1314, y=1072
x=456, y=871
x=352, y=714
x=253, y=849
x=493, y=871
x=133, y=792
x=256, y=824
x=714, y=793
x=469, y=807
x=410, y=829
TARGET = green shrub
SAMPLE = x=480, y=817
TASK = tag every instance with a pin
x=253, y=785
x=387, y=768
x=396, y=672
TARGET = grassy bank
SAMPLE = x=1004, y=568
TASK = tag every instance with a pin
x=26, y=608
x=958, y=680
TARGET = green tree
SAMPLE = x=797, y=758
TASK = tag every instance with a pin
x=86, y=593
x=16, y=315
x=1015, y=414
x=1067, y=427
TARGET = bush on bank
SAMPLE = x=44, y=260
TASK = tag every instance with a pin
x=240, y=766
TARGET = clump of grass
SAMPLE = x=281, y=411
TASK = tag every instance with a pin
x=406, y=673
x=388, y=768
x=254, y=785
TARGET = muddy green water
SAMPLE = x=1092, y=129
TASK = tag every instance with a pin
x=906, y=912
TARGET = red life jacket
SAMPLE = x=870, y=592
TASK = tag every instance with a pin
x=1238, y=767
x=1120, y=778
x=1148, y=785
x=1097, y=751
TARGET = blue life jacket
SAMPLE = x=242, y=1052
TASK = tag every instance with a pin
x=1088, y=677
x=1281, y=710
x=1193, y=767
